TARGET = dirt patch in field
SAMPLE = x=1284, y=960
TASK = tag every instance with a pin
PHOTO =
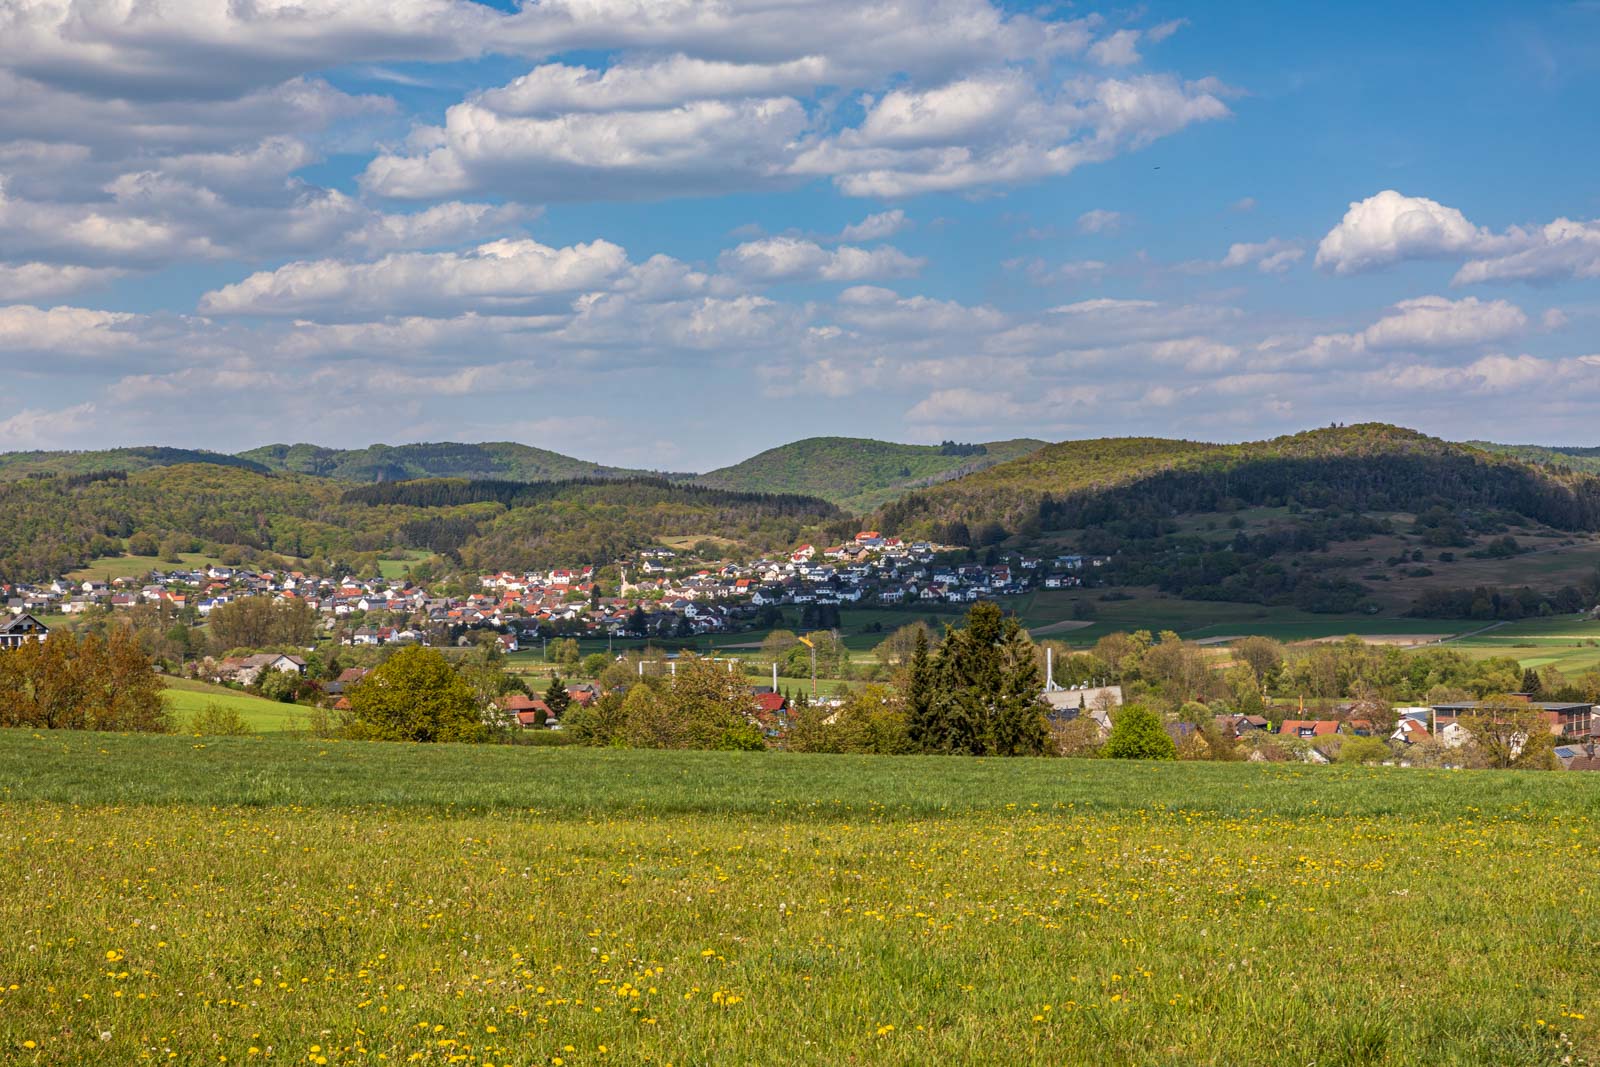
x=1061, y=627
x=1398, y=640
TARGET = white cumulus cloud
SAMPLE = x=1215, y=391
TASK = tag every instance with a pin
x=1390, y=227
x=507, y=274
x=1436, y=322
x=778, y=259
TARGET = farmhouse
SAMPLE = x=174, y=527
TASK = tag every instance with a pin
x=247, y=669
x=1308, y=728
x=24, y=627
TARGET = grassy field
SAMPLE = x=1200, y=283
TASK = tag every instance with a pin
x=108, y=568
x=396, y=567
x=291, y=901
x=185, y=697
x=1199, y=619
x=1570, y=643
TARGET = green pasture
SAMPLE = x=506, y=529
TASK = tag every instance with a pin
x=1570, y=643
x=186, y=697
x=110, y=568
x=282, y=900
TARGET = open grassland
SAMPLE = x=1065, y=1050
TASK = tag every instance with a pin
x=396, y=566
x=110, y=568
x=1569, y=643
x=168, y=900
x=1200, y=619
x=186, y=697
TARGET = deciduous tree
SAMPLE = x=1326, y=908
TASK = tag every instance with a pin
x=1137, y=733
x=416, y=696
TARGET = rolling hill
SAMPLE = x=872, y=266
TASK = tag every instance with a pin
x=51, y=525
x=14, y=465
x=1362, y=467
x=858, y=473
x=1584, y=459
x=505, y=460
x=1368, y=518
x=855, y=473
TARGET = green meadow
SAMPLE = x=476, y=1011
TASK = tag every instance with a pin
x=185, y=697
x=1569, y=643
x=109, y=568
x=288, y=901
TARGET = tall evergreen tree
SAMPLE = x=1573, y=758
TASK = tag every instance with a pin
x=919, y=696
x=556, y=698
x=637, y=622
x=1020, y=727
x=967, y=676
x=985, y=698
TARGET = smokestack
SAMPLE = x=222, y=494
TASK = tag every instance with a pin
x=1049, y=670
x=774, y=676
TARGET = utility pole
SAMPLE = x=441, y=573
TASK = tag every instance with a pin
x=809, y=644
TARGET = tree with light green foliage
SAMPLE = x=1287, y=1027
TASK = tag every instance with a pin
x=416, y=696
x=1137, y=733
x=1364, y=750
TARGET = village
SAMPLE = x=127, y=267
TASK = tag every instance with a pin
x=658, y=593
x=663, y=595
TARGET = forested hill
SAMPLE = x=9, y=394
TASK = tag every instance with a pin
x=505, y=460
x=28, y=464
x=53, y=524
x=1584, y=459
x=858, y=473
x=1370, y=466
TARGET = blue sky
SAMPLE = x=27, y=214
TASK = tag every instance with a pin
x=670, y=234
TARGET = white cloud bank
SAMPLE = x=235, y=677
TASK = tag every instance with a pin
x=1390, y=228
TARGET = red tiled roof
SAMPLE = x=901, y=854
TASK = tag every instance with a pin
x=1319, y=727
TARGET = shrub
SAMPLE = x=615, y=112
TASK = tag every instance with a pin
x=1137, y=733
x=1364, y=750
x=219, y=720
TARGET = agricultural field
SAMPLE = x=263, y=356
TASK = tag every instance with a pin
x=1569, y=643
x=186, y=697
x=1202, y=619
x=262, y=900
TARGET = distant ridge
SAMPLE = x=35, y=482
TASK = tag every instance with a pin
x=1368, y=466
x=1582, y=458
x=504, y=460
x=859, y=473
x=26, y=464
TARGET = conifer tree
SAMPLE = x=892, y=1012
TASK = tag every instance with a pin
x=919, y=696
x=1020, y=728
x=967, y=672
x=986, y=690
x=556, y=698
